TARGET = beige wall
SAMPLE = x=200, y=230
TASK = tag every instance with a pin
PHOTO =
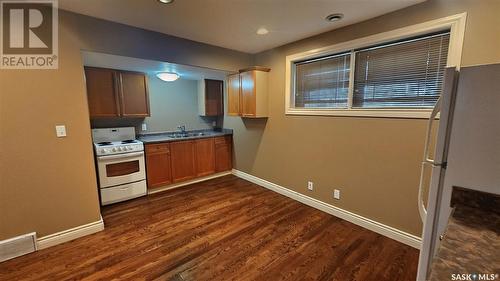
x=48, y=184
x=373, y=161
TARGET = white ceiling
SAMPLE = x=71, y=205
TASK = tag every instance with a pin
x=150, y=66
x=233, y=23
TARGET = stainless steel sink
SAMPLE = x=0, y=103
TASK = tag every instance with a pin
x=186, y=135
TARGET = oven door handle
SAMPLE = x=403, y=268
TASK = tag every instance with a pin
x=121, y=156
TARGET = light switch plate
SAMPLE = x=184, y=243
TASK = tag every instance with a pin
x=144, y=127
x=310, y=185
x=60, y=131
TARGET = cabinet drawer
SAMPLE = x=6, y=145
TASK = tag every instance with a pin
x=157, y=147
x=223, y=140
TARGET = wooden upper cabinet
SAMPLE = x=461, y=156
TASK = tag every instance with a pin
x=158, y=167
x=210, y=97
x=115, y=93
x=134, y=94
x=233, y=95
x=205, y=156
x=102, y=92
x=253, y=96
x=248, y=94
x=182, y=155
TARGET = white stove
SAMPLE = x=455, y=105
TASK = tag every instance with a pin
x=120, y=164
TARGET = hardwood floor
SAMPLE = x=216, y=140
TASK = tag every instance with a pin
x=222, y=229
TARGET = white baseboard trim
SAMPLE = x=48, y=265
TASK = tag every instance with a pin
x=184, y=183
x=388, y=231
x=69, y=234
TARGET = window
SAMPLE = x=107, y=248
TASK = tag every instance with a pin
x=406, y=74
x=322, y=82
x=392, y=74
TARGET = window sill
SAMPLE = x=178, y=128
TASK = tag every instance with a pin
x=377, y=113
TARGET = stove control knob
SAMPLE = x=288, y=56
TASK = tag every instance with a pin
x=114, y=149
x=103, y=150
x=128, y=147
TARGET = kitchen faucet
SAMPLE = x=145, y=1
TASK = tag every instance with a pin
x=182, y=128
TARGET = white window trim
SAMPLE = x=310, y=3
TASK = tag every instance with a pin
x=454, y=23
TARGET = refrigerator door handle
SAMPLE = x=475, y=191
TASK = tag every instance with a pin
x=427, y=160
x=434, y=113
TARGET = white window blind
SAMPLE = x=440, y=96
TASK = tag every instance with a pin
x=407, y=74
x=322, y=82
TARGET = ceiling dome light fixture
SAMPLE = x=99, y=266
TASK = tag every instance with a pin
x=168, y=76
x=334, y=17
x=165, y=1
x=262, y=31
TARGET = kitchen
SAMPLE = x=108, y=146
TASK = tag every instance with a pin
x=155, y=130
x=333, y=142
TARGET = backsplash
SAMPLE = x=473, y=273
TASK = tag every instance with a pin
x=137, y=123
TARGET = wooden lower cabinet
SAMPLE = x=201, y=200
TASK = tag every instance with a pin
x=205, y=157
x=223, y=154
x=178, y=161
x=182, y=155
x=158, y=164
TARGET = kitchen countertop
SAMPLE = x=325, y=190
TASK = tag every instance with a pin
x=167, y=136
x=471, y=244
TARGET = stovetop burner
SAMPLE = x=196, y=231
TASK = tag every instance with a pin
x=129, y=141
x=104, y=143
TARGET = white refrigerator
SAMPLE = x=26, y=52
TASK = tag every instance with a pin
x=465, y=149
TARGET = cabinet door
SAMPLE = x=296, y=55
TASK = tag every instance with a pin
x=205, y=157
x=233, y=95
x=223, y=154
x=134, y=94
x=183, y=160
x=102, y=92
x=248, y=97
x=158, y=165
x=214, y=90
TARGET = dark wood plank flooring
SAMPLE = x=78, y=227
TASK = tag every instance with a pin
x=222, y=229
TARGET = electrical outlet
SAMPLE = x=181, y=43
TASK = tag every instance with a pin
x=310, y=185
x=144, y=127
x=60, y=131
x=336, y=194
